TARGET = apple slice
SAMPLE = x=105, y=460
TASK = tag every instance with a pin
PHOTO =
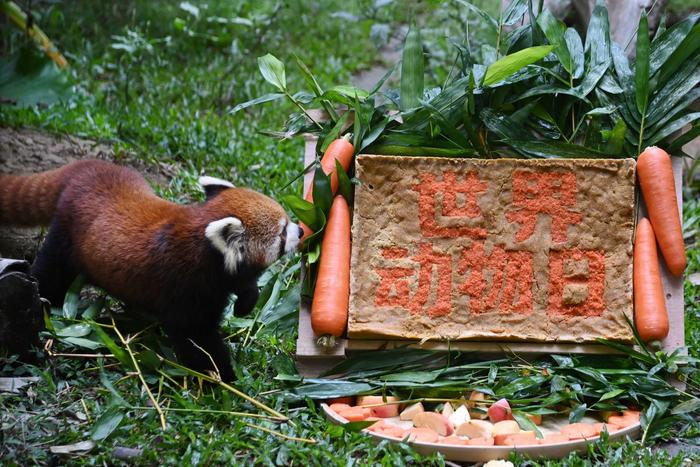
x=435, y=421
x=423, y=435
x=448, y=410
x=505, y=427
x=411, y=411
x=385, y=410
x=461, y=415
x=475, y=429
x=516, y=439
x=499, y=410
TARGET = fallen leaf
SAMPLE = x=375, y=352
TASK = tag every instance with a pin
x=81, y=447
x=694, y=278
x=121, y=452
x=13, y=385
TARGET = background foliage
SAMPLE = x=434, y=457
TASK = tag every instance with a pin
x=157, y=80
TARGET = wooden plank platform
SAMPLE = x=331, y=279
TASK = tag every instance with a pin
x=313, y=360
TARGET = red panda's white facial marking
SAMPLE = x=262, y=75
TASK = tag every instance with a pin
x=226, y=235
x=294, y=233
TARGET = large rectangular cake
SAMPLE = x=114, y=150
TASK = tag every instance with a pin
x=502, y=249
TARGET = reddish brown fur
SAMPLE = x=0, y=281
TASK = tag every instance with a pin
x=107, y=223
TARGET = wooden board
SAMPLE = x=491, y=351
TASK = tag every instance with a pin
x=312, y=360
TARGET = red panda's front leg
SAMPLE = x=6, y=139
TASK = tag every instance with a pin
x=199, y=345
x=53, y=266
x=246, y=298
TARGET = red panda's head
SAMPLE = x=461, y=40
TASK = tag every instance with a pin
x=246, y=227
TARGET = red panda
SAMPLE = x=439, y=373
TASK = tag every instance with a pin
x=178, y=263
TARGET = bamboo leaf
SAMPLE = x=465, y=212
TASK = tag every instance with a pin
x=514, y=13
x=75, y=330
x=693, y=133
x=555, y=30
x=107, y=423
x=412, y=70
x=678, y=87
x=622, y=67
x=612, y=394
x=344, y=184
x=258, y=100
x=658, y=118
x=510, y=64
x=118, y=352
x=334, y=133
x=691, y=405
x=332, y=389
x=502, y=125
x=488, y=19
x=577, y=414
x=82, y=342
x=526, y=424
x=598, y=36
x=273, y=71
x=322, y=195
x=575, y=46
x=309, y=77
x=305, y=211
x=641, y=67
x=554, y=149
x=348, y=91
x=671, y=128
x=72, y=300
x=669, y=41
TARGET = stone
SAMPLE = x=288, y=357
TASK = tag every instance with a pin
x=500, y=249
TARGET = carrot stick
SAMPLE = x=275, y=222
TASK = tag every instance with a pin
x=650, y=316
x=656, y=179
x=340, y=149
x=329, y=308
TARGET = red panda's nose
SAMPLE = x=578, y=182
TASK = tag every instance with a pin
x=301, y=231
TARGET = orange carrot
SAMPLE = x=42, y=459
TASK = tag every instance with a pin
x=650, y=316
x=656, y=179
x=329, y=308
x=340, y=149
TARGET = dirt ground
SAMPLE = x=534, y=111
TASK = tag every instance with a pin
x=30, y=151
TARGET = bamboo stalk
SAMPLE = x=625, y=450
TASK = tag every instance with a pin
x=161, y=414
x=17, y=16
x=213, y=411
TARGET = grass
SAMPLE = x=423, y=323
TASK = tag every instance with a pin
x=156, y=81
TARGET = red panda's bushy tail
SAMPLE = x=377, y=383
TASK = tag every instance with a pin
x=29, y=200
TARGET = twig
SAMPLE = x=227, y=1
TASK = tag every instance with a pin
x=161, y=414
x=281, y=435
x=216, y=368
x=80, y=355
x=87, y=412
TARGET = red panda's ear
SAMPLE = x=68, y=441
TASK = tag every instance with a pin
x=213, y=186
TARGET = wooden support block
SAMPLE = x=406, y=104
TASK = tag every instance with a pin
x=313, y=360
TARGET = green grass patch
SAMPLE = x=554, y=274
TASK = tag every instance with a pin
x=157, y=79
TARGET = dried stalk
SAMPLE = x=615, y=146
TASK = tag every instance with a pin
x=161, y=414
x=230, y=388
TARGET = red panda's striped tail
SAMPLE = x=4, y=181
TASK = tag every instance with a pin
x=29, y=200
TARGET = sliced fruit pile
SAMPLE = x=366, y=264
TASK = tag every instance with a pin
x=464, y=425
